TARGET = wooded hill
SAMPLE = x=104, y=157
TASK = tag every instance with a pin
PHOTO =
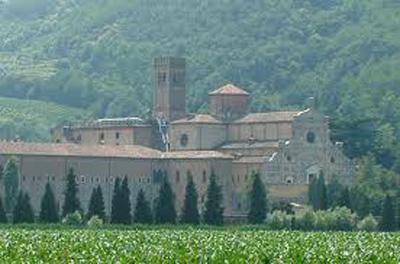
x=96, y=55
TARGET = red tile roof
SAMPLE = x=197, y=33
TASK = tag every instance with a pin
x=269, y=117
x=199, y=119
x=201, y=154
x=76, y=150
x=102, y=151
x=229, y=89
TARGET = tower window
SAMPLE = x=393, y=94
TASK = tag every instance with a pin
x=311, y=137
x=178, y=177
x=204, y=176
x=333, y=160
x=184, y=140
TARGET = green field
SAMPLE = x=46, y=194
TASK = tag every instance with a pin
x=195, y=246
x=32, y=120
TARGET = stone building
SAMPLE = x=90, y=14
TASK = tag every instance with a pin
x=287, y=148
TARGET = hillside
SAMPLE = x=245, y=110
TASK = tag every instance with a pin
x=96, y=55
x=28, y=119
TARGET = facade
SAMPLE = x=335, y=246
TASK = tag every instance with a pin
x=287, y=148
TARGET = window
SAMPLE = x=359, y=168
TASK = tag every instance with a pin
x=53, y=178
x=23, y=178
x=289, y=158
x=333, y=160
x=311, y=137
x=289, y=180
x=184, y=140
x=178, y=177
x=101, y=138
x=33, y=178
x=117, y=135
x=204, y=176
x=79, y=138
x=83, y=179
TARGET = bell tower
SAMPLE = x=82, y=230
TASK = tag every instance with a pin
x=169, y=99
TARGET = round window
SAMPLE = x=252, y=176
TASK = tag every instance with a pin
x=311, y=137
x=184, y=140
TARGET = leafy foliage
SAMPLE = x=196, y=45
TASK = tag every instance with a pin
x=165, y=212
x=143, y=214
x=96, y=204
x=23, y=212
x=190, y=211
x=48, y=208
x=11, y=176
x=190, y=246
x=258, y=201
x=3, y=216
x=214, y=210
x=71, y=200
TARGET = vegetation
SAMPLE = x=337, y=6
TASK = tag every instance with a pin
x=143, y=214
x=11, y=176
x=190, y=211
x=258, y=201
x=214, y=210
x=96, y=204
x=121, y=205
x=23, y=212
x=71, y=201
x=165, y=212
x=48, y=208
x=3, y=216
x=187, y=246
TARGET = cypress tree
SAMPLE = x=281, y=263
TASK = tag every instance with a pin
x=10, y=174
x=333, y=190
x=126, y=216
x=48, y=208
x=96, y=204
x=116, y=203
x=312, y=193
x=258, y=201
x=71, y=201
x=142, y=210
x=23, y=212
x=388, y=222
x=165, y=212
x=344, y=199
x=214, y=210
x=322, y=193
x=190, y=211
x=3, y=216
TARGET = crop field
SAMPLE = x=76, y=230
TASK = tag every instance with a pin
x=195, y=246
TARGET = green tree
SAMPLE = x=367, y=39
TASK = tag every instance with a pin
x=126, y=216
x=143, y=213
x=23, y=212
x=3, y=215
x=322, y=194
x=11, y=183
x=388, y=222
x=214, y=209
x=312, y=193
x=116, y=216
x=190, y=211
x=344, y=199
x=48, y=208
x=333, y=191
x=71, y=201
x=258, y=201
x=165, y=212
x=96, y=204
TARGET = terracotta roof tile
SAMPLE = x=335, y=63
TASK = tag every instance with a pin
x=122, y=151
x=229, y=89
x=269, y=117
x=201, y=154
x=200, y=119
x=246, y=145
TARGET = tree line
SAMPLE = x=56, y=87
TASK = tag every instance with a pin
x=163, y=210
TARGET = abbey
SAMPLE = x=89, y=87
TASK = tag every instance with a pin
x=288, y=149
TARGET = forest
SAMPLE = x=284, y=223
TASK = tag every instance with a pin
x=93, y=58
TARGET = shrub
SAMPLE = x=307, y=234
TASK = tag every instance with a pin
x=306, y=220
x=279, y=220
x=73, y=219
x=95, y=221
x=344, y=219
x=368, y=224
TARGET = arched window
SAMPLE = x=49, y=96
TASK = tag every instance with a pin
x=311, y=137
x=178, y=177
x=204, y=176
